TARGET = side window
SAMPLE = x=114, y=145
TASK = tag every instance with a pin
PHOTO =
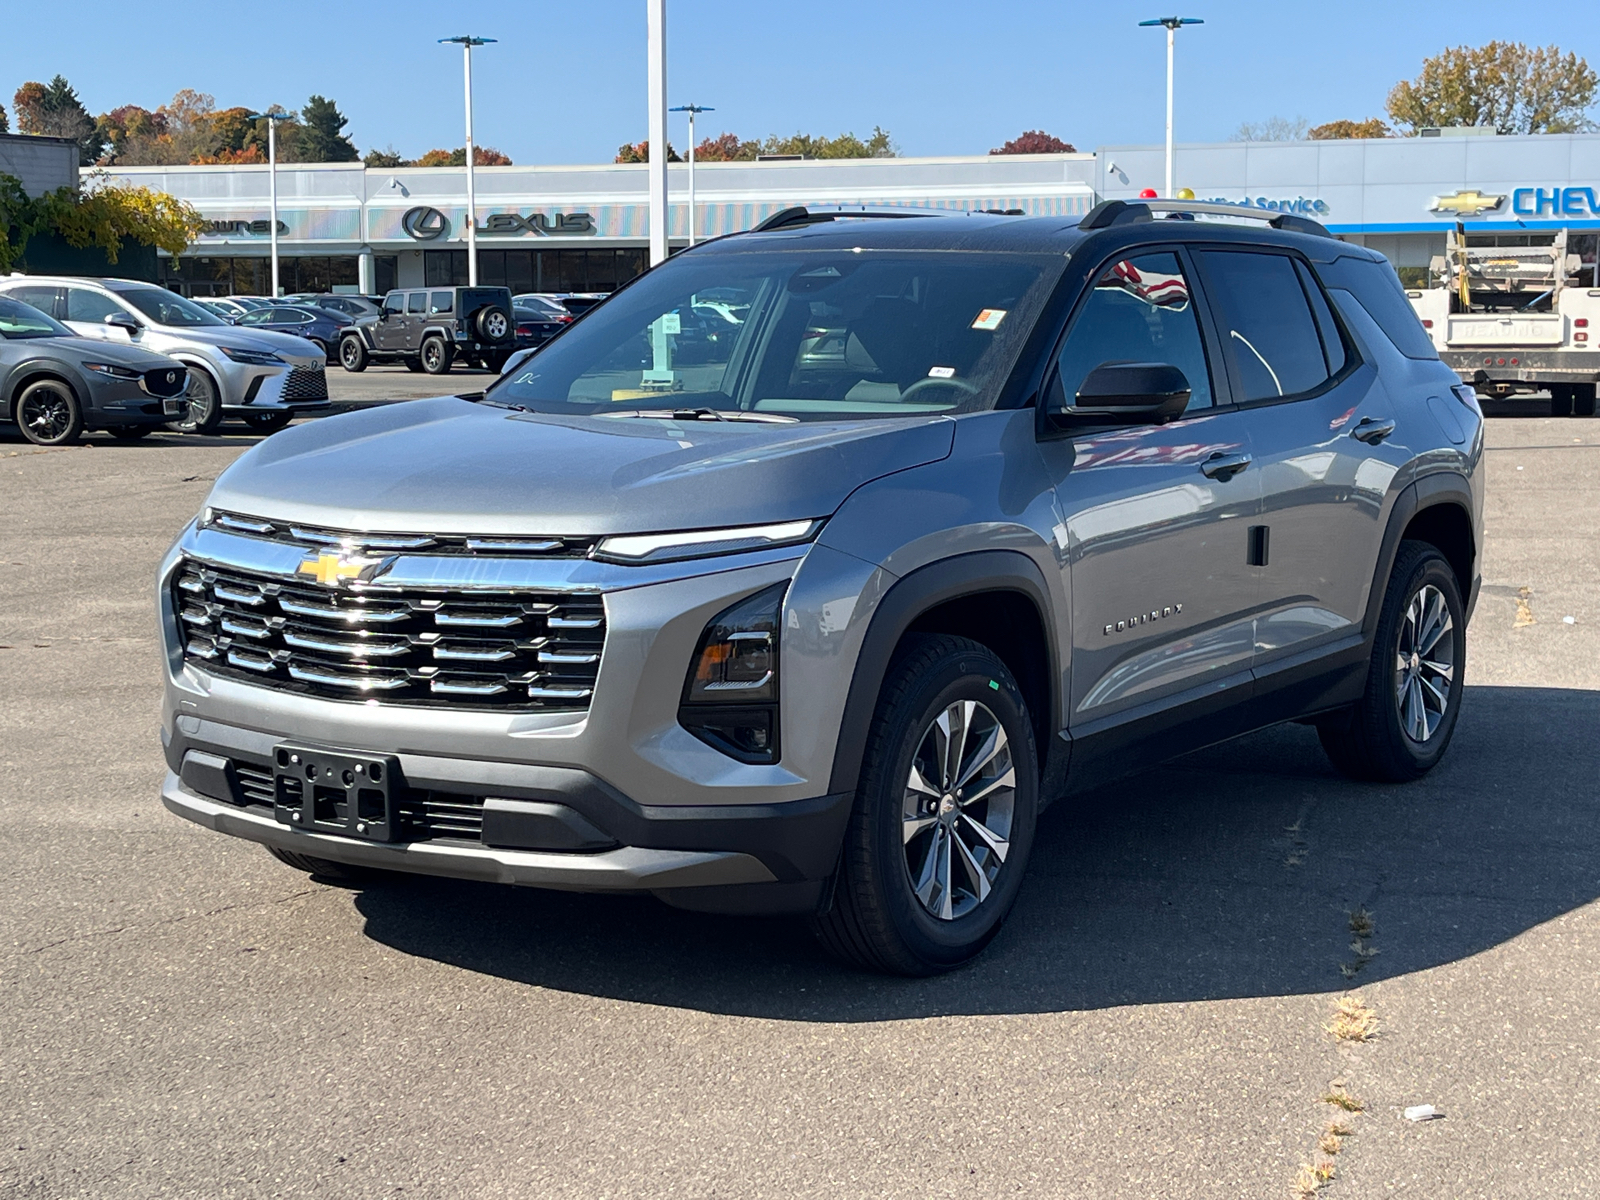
x=442, y=302
x=1377, y=289
x=42, y=298
x=394, y=302
x=256, y=317
x=84, y=305
x=1265, y=322
x=1140, y=311
x=1332, y=340
x=417, y=302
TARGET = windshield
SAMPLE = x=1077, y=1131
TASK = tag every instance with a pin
x=167, y=308
x=20, y=322
x=818, y=335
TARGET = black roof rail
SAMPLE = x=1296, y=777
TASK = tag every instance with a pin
x=1122, y=212
x=789, y=218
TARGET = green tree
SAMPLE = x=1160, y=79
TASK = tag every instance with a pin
x=1508, y=85
x=388, y=158
x=5, y=125
x=54, y=110
x=1372, y=127
x=846, y=145
x=320, y=138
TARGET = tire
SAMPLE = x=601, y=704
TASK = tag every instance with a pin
x=493, y=324
x=1583, y=400
x=326, y=869
x=130, y=433
x=414, y=365
x=1561, y=400
x=435, y=355
x=49, y=414
x=880, y=918
x=1400, y=728
x=327, y=352
x=268, y=422
x=204, y=400
x=352, y=355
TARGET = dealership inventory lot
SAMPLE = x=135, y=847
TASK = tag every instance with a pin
x=188, y=1017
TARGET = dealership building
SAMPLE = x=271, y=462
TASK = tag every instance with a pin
x=585, y=228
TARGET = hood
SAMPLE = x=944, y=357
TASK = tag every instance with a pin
x=285, y=345
x=453, y=466
x=82, y=349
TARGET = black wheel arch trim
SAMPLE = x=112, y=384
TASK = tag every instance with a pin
x=1430, y=491
x=910, y=597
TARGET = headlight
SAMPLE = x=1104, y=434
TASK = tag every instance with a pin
x=111, y=369
x=665, y=547
x=253, y=358
x=730, y=699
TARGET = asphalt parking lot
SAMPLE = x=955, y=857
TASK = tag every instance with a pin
x=186, y=1017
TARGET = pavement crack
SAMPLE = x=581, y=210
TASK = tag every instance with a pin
x=187, y=917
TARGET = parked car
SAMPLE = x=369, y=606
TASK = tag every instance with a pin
x=757, y=634
x=225, y=309
x=538, y=319
x=318, y=325
x=54, y=384
x=428, y=329
x=341, y=302
x=262, y=377
x=246, y=303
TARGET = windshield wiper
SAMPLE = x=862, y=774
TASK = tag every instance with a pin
x=702, y=414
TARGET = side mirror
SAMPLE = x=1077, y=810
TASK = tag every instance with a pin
x=1122, y=393
x=123, y=321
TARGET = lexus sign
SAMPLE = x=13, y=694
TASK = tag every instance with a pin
x=429, y=224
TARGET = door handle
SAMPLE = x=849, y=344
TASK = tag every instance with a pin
x=1372, y=431
x=1224, y=467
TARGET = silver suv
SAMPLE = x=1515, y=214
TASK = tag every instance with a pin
x=814, y=612
x=264, y=378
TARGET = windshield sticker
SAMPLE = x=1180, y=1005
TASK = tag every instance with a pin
x=941, y=372
x=989, y=318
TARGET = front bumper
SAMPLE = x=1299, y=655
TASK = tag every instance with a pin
x=626, y=868
x=295, y=387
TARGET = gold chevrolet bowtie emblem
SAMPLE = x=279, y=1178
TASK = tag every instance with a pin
x=1469, y=203
x=331, y=568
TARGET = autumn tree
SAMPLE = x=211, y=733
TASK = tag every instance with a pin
x=1036, y=141
x=639, y=152
x=54, y=110
x=726, y=147
x=1372, y=127
x=482, y=156
x=1515, y=88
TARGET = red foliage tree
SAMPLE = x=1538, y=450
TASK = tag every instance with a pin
x=1036, y=141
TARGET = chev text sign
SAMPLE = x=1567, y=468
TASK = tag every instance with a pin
x=1554, y=202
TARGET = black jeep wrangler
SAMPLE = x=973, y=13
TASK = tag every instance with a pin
x=427, y=329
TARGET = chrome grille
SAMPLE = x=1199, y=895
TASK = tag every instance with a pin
x=305, y=383
x=528, y=651
x=314, y=536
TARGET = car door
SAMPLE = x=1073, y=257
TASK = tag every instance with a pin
x=1320, y=423
x=416, y=317
x=87, y=312
x=388, y=332
x=1155, y=526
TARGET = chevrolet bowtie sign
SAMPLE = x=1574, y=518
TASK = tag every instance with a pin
x=1467, y=203
x=429, y=224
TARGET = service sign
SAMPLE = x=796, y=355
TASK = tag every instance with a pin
x=1305, y=206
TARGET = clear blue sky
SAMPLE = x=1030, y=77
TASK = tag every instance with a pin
x=565, y=84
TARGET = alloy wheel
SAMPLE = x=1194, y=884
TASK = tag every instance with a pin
x=200, y=402
x=957, y=810
x=47, y=414
x=1425, y=665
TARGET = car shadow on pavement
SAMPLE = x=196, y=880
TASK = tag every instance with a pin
x=1232, y=872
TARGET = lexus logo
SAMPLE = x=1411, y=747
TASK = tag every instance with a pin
x=424, y=224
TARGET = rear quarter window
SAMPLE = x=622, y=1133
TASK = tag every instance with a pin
x=1377, y=289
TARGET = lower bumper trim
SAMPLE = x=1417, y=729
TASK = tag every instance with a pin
x=625, y=869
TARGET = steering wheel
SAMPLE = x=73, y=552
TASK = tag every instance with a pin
x=961, y=385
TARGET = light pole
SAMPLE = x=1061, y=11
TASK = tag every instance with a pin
x=272, y=119
x=656, y=86
x=691, y=109
x=1172, y=25
x=467, y=43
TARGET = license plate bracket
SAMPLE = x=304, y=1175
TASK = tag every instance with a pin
x=341, y=792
